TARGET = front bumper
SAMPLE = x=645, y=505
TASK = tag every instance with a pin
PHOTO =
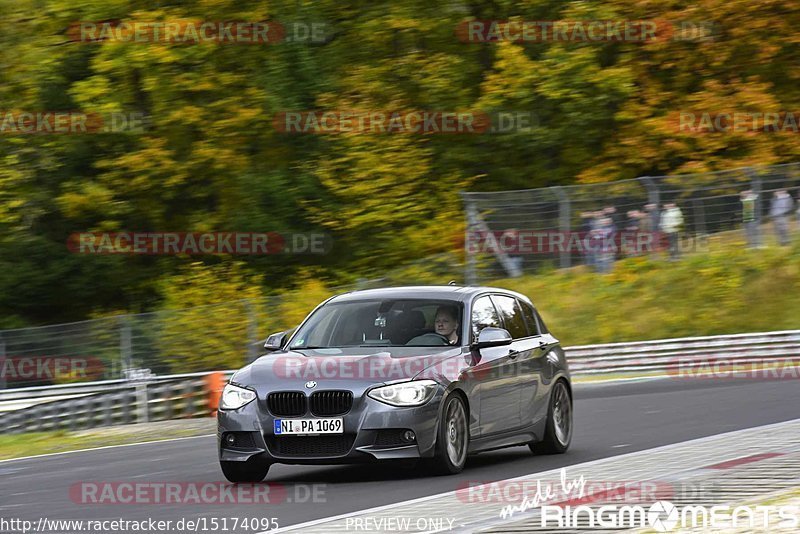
x=362, y=425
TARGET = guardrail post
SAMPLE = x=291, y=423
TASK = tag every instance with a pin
x=142, y=415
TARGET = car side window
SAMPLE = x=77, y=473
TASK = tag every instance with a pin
x=512, y=316
x=530, y=318
x=483, y=315
x=542, y=327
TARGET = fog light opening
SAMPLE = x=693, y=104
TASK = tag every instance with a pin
x=230, y=439
x=409, y=436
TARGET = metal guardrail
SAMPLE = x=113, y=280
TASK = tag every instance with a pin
x=112, y=402
x=123, y=402
x=668, y=355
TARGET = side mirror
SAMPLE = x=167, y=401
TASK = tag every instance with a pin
x=275, y=341
x=492, y=337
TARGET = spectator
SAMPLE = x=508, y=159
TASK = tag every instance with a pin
x=588, y=225
x=632, y=228
x=604, y=243
x=798, y=210
x=751, y=229
x=779, y=211
x=672, y=224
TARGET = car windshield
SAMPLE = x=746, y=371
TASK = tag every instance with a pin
x=395, y=322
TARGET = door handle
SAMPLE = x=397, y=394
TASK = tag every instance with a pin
x=513, y=354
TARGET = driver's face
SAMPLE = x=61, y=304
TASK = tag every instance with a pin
x=444, y=324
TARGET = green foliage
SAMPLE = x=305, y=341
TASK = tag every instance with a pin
x=210, y=159
x=207, y=313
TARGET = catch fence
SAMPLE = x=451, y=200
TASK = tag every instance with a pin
x=513, y=232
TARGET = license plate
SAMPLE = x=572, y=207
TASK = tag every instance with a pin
x=309, y=426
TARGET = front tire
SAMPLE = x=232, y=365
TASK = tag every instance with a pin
x=558, y=430
x=452, y=440
x=253, y=470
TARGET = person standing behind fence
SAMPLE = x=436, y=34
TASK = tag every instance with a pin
x=798, y=210
x=779, y=211
x=605, y=242
x=672, y=224
x=751, y=229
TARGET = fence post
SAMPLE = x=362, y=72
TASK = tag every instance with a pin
x=564, y=224
x=2, y=362
x=700, y=233
x=470, y=275
x=252, y=331
x=125, y=346
x=653, y=197
x=755, y=187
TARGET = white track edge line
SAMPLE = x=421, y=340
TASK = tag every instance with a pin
x=592, y=462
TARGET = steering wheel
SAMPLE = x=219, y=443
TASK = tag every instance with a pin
x=434, y=335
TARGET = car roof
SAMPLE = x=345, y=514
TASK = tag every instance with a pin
x=457, y=293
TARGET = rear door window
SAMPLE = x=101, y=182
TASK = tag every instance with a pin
x=530, y=318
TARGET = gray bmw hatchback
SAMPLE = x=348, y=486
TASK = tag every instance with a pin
x=430, y=373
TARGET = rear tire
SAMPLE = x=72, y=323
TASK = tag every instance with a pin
x=452, y=440
x=253, y=470
x=558, y=430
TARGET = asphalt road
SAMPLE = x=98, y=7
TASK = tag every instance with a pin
x=610, y=420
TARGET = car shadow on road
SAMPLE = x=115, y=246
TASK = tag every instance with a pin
x=386, y=471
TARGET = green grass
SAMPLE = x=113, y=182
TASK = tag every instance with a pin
x=35, y=443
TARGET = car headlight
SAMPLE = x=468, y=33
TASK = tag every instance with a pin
x=234, y=397
x=415, y=393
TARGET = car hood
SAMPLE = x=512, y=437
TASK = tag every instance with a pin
x=351, y=368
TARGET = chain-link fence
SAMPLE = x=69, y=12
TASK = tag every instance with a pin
x=512, y=232
x=196, y=339
x=201, y=338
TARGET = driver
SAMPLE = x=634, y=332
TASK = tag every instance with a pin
x=446, y=324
